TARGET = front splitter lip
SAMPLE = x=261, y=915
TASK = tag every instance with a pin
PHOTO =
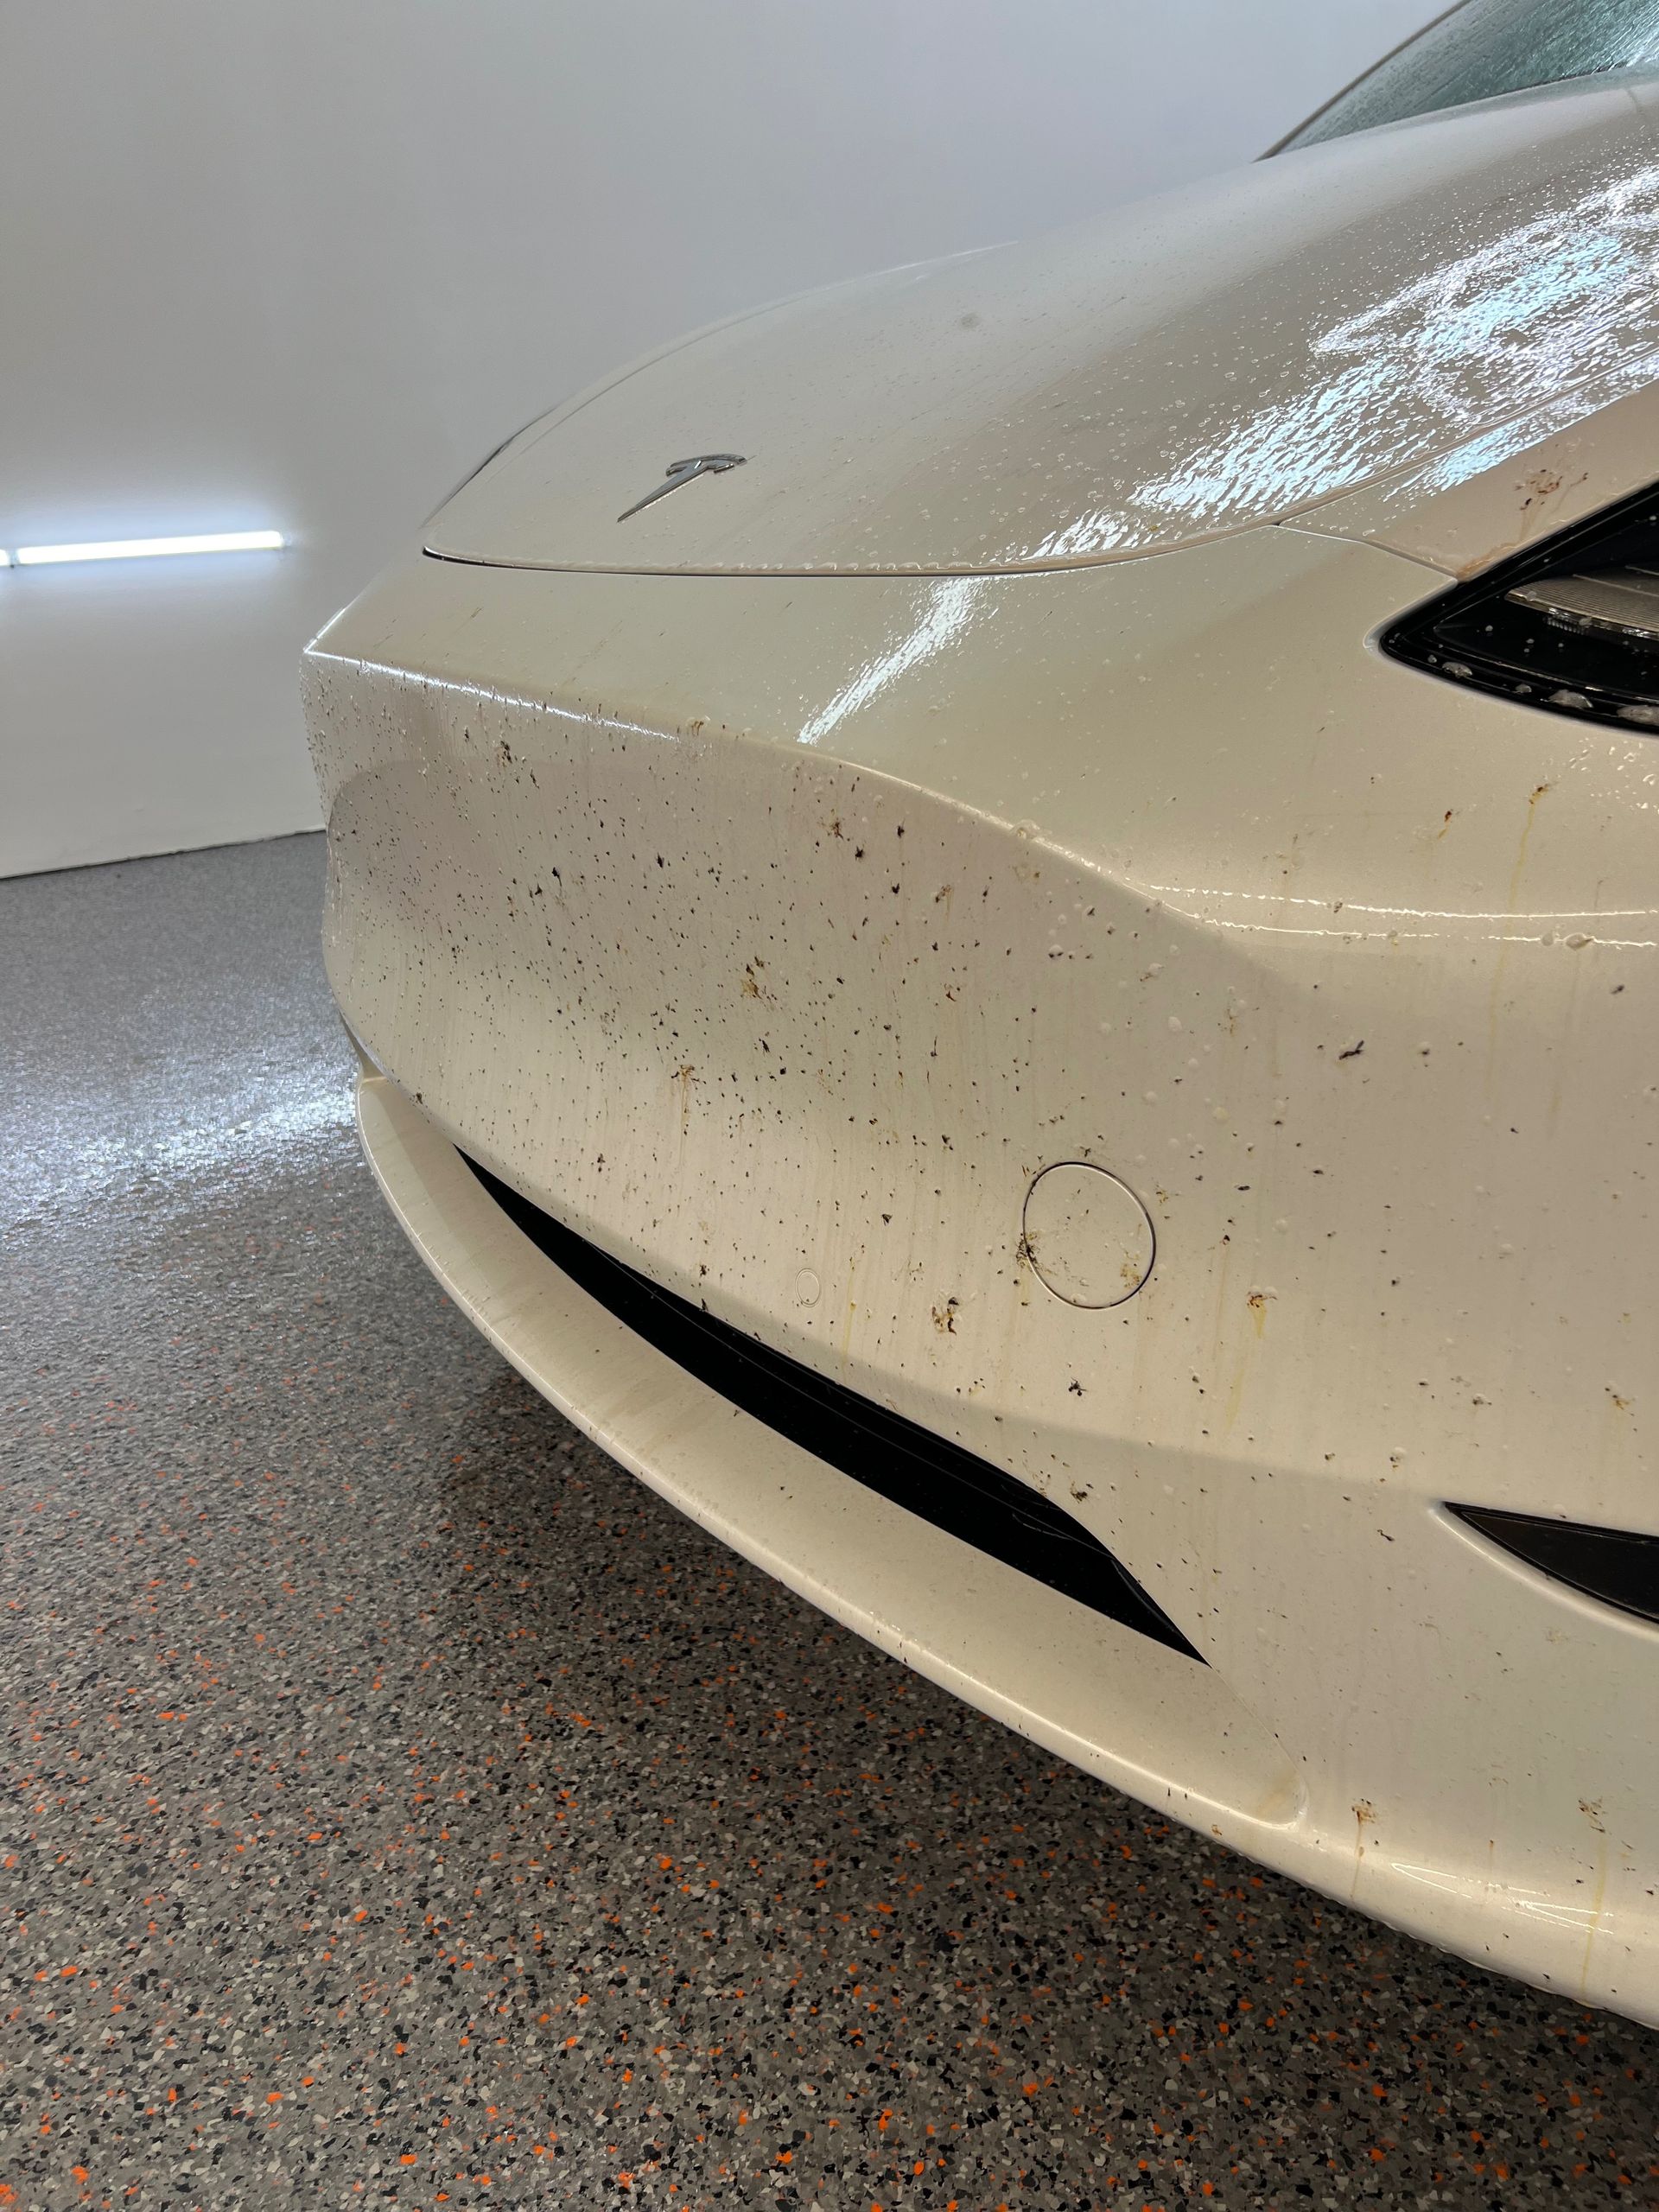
x=1140, y=1718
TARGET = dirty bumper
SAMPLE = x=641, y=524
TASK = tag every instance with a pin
x=775, y=937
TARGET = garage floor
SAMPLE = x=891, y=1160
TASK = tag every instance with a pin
x=404, y=1806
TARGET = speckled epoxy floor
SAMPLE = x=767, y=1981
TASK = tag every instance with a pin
x=403, y=1806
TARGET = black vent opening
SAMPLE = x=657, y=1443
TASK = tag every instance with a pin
x=899, y=1459
x=1610, y=1564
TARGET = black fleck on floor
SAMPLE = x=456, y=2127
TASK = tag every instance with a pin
x=403, y=1806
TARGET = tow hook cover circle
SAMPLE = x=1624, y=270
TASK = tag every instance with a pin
x=1087, y=1236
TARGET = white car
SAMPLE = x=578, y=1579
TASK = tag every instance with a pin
x=1002, y=925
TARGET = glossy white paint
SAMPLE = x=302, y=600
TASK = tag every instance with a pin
x=1228, y=355
x=771, y=930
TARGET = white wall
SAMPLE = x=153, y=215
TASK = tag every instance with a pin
x=301, y=262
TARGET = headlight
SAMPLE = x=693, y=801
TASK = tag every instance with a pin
x=1572, y=625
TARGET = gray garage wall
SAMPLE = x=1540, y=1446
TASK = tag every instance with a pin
x=301, y=262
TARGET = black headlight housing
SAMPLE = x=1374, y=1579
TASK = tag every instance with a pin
x=1571, y=625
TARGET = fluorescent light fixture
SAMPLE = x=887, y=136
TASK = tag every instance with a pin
x=142, y=549
x=5, y=558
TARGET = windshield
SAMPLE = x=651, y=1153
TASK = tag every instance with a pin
x=1486, y=47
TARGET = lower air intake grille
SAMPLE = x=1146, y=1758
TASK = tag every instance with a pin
x=901, y=1461
x=1610, y=1564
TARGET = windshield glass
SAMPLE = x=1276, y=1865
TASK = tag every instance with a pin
x=1489, y=47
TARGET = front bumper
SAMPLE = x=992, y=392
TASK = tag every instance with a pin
x=1163, y=1728
x=774, y=936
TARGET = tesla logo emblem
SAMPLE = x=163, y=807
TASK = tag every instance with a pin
x=681, y=471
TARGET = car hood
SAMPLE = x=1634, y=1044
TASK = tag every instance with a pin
x=1230, y=354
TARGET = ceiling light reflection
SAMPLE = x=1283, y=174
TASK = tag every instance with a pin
x=144, y=549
